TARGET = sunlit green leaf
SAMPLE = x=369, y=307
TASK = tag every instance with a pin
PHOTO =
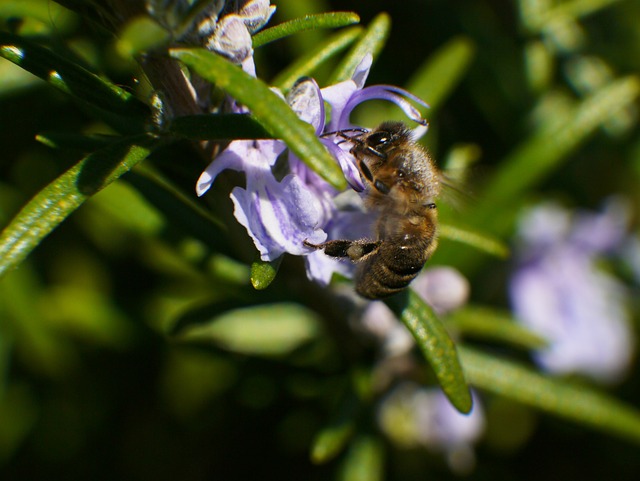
x=554, y=395
x=372, y=41
x=436, y=345
x=64, y=195
x=267, y=107
x=15, y=79
x=268, y=330
x=308, y=22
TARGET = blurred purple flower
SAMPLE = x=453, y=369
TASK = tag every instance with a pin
x=412, y=415
x=559, y=291
x=280, y=214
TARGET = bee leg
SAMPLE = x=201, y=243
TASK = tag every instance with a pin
x=354, y=250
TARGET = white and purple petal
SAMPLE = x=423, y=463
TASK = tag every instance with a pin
x=305, y=99
x=279, y=216
x=347, y=164
x=383, y=92
x=361, y=72
x=249, y=156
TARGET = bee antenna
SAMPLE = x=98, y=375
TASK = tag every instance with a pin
x=342, y=132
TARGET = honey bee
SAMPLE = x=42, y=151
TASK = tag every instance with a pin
x=401, y=185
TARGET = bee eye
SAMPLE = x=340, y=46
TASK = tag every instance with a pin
x=378, y=139
x=381, y=187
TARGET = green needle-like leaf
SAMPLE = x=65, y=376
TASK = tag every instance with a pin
x=74, y=141
x=371, y=42
x=308, y=22
x=436, y=345
x=115, y=104
x=308, y=63
x=269, y=109
x=60, y=198
x=555, y=396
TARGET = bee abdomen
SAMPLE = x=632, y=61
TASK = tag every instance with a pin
x=390, y=270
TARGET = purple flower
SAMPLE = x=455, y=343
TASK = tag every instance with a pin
x=280, y=214
x=560, y=292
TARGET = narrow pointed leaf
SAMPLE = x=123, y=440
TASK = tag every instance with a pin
x=74, y=141
x=307, y=64
x=267, y=107
x=115, y=103
x=494, y=325
x=436, y=345
x=480, y=241
x=308, y=22
x=556, y=396
x=64, y=195
x=372, y=41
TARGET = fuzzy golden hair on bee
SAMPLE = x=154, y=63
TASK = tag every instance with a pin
x=402, y=184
